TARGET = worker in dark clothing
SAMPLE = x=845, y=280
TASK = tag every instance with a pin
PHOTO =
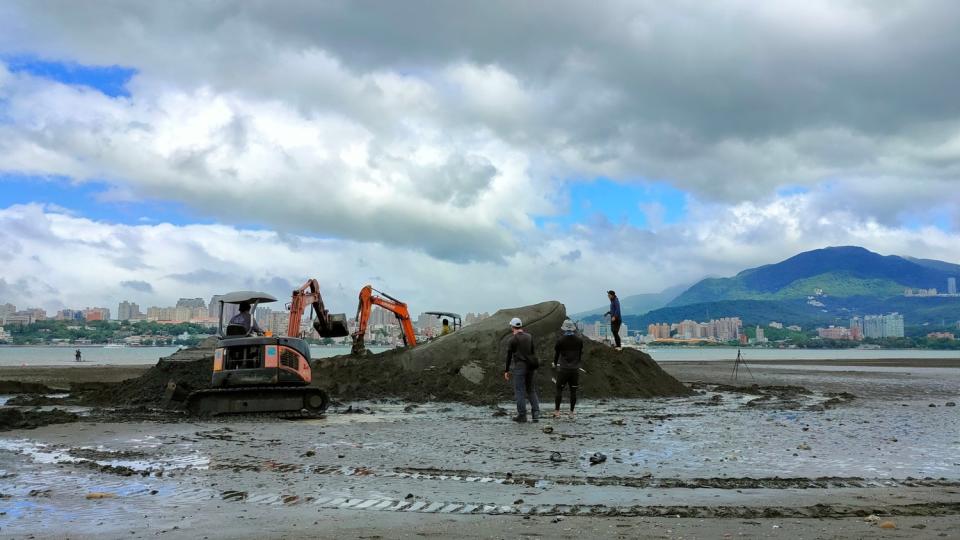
x=246, y=320
x=77, y=356
x=566, y=360
x=615, y=318
x=522, y=363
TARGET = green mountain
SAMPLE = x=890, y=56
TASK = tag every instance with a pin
x=636, y=304
x=921, y=314
x=838, y=271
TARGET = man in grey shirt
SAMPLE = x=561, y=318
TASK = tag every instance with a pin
x=523, y=359
x=246, y=320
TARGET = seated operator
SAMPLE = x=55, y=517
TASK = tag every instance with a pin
x=246, y=320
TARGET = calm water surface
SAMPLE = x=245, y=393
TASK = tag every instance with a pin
x=123, y=356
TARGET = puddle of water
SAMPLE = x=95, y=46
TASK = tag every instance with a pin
x=47, y=454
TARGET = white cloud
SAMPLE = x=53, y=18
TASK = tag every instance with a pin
x=433, y=148
x=56, y=258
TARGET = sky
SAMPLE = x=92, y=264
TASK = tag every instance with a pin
x=464, y=156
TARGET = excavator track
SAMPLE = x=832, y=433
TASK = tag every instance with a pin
x=289, y=402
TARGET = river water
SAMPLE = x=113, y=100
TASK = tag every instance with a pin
x=54, y=356
x=120, y=356
x=684, y=354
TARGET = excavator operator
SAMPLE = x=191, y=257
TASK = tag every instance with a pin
x=246, y=320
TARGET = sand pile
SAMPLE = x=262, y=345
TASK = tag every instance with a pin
x=191, y=366
x=467, y=366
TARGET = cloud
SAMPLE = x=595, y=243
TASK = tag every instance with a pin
x=341, y=141
x=719, y=240
x=202, y=275
x=137, y=285
x=434, y=129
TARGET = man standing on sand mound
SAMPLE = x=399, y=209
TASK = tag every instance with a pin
x=523, y=357
x=615, y=318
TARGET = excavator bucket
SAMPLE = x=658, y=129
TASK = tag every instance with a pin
x=337, y=326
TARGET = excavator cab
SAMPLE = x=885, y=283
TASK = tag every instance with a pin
x=245, y=359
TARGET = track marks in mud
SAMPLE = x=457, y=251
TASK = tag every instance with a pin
x=741, y=512
x=643, y=482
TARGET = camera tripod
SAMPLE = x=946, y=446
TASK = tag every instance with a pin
x=736, y=366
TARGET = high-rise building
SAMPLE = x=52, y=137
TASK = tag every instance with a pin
x=192, y=303
x=70, y=315
x=883, y=326
x=659, y=331
x=951, y=285
x=96, y=314
x=128, y=311
x=7, y=309
x=760, y=337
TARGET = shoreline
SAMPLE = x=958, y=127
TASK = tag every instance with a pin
x=61, y=376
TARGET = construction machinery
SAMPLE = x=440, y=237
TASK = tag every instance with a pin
x=263, y=373
x=370, y=297
x=452, y=317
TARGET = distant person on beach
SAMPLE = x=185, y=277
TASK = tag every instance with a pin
x=246, y=320
x=522, y=363
x=566, y=361
x=615, y=318
x=77, y=356
x=445, y=328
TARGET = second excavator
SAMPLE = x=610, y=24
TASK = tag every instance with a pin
x=370, y=297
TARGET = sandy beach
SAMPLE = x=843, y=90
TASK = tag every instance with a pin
x=786, y=459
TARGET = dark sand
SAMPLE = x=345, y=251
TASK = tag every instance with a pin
x=720, y=464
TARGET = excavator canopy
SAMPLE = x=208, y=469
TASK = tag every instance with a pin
x=247, y=297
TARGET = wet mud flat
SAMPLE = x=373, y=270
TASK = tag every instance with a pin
x=799, y=462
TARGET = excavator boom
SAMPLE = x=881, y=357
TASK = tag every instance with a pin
x=326, y=324
x=367, y=300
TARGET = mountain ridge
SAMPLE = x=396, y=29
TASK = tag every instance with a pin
x=843, y=271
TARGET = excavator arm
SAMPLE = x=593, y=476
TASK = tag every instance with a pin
x=326, y=324
x=367, y=300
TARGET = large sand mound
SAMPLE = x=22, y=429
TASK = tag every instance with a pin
x=468, y=365
x=465, y=366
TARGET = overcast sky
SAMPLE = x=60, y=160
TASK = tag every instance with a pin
x=464, y=156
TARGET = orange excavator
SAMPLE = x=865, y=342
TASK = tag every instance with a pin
x=256, y=372
x=370, y=297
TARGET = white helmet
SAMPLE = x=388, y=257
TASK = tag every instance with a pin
x=516, y=323
x=568, y=326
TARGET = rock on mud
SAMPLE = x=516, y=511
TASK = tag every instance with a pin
x=467, y=365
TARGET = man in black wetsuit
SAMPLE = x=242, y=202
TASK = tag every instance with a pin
x=522, y=363
x=566, y=360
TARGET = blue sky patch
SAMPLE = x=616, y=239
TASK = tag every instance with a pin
x=110, y=80
x=85, y=199
x=642, y=205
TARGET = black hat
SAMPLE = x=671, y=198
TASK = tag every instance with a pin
x=611, y=292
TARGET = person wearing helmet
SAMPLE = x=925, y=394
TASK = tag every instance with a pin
x=566, y=361
x=522, y=364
